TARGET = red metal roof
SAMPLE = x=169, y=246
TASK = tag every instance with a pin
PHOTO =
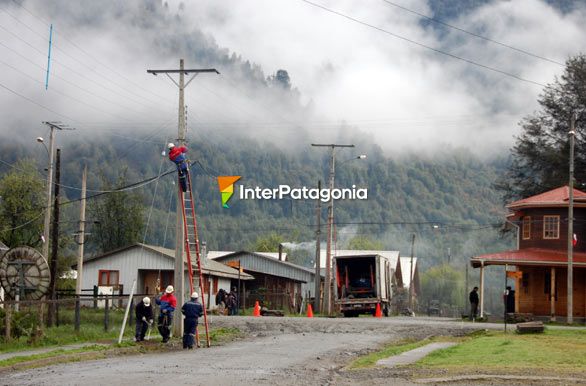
x=553, y=198
x=529, y=256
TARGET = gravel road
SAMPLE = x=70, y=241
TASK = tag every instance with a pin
x=276, y=351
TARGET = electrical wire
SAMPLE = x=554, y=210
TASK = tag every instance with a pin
x=437, y=21
x=25, y=224
x=36, y=103
x=453, y=56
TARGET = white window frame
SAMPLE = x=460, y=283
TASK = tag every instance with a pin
x=526, y=229
x=556, y=230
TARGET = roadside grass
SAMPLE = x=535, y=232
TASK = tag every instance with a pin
x=392, y=349
x=50, y=354
x=563, y=350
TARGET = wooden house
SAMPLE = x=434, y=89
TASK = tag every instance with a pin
x=540, y=261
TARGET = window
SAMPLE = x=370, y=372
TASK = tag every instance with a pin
x=526, y=227
x=551, y=227
x=108, y=278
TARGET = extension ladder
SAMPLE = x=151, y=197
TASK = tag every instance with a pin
x=192, y=247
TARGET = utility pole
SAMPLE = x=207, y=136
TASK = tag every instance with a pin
x=328, y=279
x=55, y=242
x=317, y=291
x=179, y=278
x=570, y=318
x=411, y=273
x=81, y=234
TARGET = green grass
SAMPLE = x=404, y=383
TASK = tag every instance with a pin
x=27, y=358
x=388, y=351
x=554, y=349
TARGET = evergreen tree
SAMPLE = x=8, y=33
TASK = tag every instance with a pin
x=21, y=206
x=119, y=215
x=540, y=157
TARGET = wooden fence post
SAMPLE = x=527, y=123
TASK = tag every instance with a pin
x=56, y=309
x=8, y=321
x=77, y=313
x=95, y=297
x=106, y=314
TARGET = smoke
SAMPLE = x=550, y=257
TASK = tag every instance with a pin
x=347, y=81
x=305, y=245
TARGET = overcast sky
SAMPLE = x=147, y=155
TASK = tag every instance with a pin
x=401, y=94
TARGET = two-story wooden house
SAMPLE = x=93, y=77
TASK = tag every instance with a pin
x=541, y=257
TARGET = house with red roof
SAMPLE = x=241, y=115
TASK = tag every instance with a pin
x=538, y=268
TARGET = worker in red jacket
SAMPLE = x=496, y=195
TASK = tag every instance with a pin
x=167, y=303
x=177, y=155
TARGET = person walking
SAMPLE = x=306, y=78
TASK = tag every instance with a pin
x=232, y=302
x=144, y=318
x=473, y=297
x=167, y=303
x=177, y=155
x=192, y=310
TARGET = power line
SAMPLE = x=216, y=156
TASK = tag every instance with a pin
x=484, y=66
x=437, y=21
x=36, y=103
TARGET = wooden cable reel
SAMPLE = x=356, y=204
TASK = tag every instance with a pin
x=24, y=272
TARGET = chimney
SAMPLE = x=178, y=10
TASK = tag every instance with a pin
x=280, y=252
x=204, y=250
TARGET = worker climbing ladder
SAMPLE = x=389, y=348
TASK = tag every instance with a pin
x=192, y=247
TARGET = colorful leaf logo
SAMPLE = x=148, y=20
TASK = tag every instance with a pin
x=226, y=184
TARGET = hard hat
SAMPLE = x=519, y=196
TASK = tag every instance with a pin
x=171, y=145
x=147, y=301
x=194, y=295
x=169, y=289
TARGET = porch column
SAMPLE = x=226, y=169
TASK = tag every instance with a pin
x=482, y=289
x=552, y=294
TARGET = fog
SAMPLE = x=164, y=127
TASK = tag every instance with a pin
x=343, y=74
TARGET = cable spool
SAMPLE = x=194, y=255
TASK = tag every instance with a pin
x=24, y=271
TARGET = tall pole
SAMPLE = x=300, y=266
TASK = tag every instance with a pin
x=81, y=233
x=317, y=290
x=328, y=279
x=411, y=273
x=52, y=127
x=55, y=241
x=570, y=318
x=49, y=193
x=179, y=278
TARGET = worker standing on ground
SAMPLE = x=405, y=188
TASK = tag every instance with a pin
x=473, y=297
x=192, y=310
x=167, y=303
x=177, y=155
x=144, y=318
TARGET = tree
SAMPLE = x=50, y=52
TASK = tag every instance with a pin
x=119, y=216
x=21, y=206
x=443, y=283
x=540, y=156
x=267, y=243
x=364, y=243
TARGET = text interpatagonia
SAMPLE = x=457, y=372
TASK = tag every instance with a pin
x=303, y=193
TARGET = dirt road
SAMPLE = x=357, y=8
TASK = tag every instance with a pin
x=276, y=351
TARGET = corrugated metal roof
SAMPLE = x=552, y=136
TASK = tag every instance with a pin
x=257, y=262
x=559, y=197
x=273, y=255
x=209, y=267
x=529, y=256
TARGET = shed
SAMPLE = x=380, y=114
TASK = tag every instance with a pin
x=273, y=276
x=153, y=267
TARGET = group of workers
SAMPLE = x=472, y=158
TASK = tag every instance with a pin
x=167, y=303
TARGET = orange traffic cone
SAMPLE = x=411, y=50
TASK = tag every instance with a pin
x=378, y=313
x=309, y=311
x=256, y=311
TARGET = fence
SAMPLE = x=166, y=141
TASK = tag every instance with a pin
x=77, y=313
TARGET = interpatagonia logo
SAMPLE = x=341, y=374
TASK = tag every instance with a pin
x=226, y=184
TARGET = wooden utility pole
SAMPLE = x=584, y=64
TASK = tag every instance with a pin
x=55, y=242
x=317, y=291
x=327, y=308
x=81, y=234
x=179, y=278
x=411, y=273
x=570, y=318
